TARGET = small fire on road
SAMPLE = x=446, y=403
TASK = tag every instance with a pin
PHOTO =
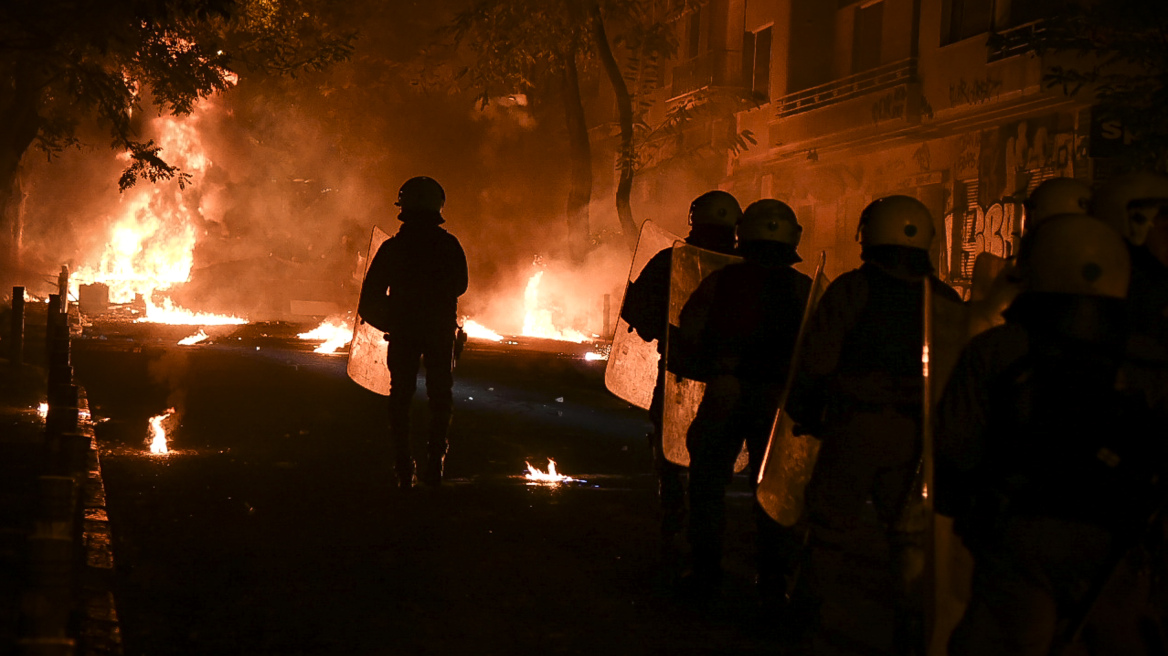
x=157, y=435
x=550, y=477
x=333, y=333
x=193, y=339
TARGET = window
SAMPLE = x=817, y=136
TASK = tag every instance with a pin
x=693, y=34
x=966, y=18
x=756, y=63
x=867, y=37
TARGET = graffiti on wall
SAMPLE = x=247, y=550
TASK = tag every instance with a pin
x=890, y=105
x=973, y=92
x=983, y=230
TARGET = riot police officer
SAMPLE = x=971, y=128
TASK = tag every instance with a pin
x=411, y=293
x=712, y=220
x=859, y=389
x=995, y=279
x=1048, y=458
x=743, y=353
x=1136, y=205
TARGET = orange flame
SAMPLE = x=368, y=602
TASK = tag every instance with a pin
x=158, y=433
x=477, y=330
x=550, y=476
x=150, y=244
x=193, y=339
x=335, y=333
x=537, y=319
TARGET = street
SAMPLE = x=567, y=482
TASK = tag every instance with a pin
x=273, y=527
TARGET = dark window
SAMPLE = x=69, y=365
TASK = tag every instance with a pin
x=756, y=63
x=1026, y=11
x=693, y=34
x=967, y=18
x=866, y=38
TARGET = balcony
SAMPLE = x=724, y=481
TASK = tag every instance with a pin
x=1014, y=41
x=710, y=69
x=876, y=79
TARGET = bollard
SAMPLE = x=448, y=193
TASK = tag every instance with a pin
x=65, y=414
x=63, y=286
x=46, y=606
x=73, y=456
x=16, y=336
x=57, y=498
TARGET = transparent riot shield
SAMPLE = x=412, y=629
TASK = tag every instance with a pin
x=992, y=289
x=368, y=350
x=690, y=266
x=631, y=373
x=789, y=459
x=949, y=566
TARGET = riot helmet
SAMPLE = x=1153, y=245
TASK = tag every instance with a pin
x=896, y=221
x=1075, y=254
x=769, y=220
x=715, y=208
x=1130, y=203
x=421, y=194
x=1057, y=196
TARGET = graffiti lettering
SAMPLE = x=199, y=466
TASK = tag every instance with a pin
x=989, y=230
x=890, y=105
x=975, y=92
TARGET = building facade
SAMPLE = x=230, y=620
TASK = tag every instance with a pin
x=851, y=100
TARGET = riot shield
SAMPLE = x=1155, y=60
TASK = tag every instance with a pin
x=368, y=350
x=690, y=266
x=992, y=290
x=789, y=458
x=631, y=373
x=949, y=568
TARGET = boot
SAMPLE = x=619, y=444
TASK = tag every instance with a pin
x=436, y=447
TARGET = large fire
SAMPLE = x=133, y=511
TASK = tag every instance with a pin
x=332, y=333
x=150, y=243
x=538, y=317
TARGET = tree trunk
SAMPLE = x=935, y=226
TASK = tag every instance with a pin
x=624, y=104
x=580, y=152
x=19, y=123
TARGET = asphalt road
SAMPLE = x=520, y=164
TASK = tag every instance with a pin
x=273, y=526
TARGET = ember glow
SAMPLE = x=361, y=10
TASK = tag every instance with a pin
x=150, y=242
x=334, y=334
x=538, y=318
x=158, y=433
x=476, y=330
x=43, y=410
x=193, y=339
x=550, y=476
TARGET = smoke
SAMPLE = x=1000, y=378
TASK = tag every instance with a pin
x=299, y=171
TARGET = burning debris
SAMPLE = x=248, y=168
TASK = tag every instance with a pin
x=333, y=333
x=550, y=477
x=157, y=434
x=150, y=242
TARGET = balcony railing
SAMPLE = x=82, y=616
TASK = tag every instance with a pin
x=1014, y=41
x=869, y=81
x=718, y=68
